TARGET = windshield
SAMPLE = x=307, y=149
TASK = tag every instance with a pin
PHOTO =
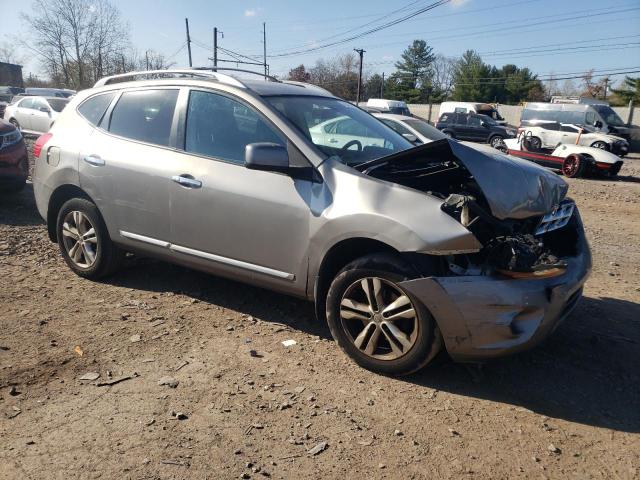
x=58, y=104
x=608, y=115
x=426, y=130
x=488, y=119
x=491, y=113
x=339, y=128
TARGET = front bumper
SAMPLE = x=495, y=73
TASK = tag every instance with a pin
x=490, y=316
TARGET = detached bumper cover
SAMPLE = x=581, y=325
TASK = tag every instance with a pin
x=485, y=316
x=10, y=158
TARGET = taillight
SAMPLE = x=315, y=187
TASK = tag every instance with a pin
x=42, y=139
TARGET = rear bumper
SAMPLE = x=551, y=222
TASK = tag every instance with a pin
x=489, y=316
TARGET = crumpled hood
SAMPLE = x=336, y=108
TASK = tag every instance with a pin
x=513, y=188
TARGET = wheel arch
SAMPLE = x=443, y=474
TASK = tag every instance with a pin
x=336, y=257
x=58, y=197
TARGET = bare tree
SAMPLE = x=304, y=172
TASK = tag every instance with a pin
x=442, y=69
x=78, y=40
x=8, y=53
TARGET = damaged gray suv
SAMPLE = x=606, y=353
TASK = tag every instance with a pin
x=405, y=251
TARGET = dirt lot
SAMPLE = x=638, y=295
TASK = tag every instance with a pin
x=568, y=409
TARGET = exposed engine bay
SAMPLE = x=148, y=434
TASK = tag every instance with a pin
x=516, y=210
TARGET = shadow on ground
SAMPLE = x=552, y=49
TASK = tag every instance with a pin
x=586, y=372
x=19, y=208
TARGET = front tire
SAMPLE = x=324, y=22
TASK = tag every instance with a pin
x=84, y=240
x=15, y=123
x=379, y=325
x=601, y=145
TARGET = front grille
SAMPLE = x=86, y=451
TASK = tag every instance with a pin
x=556, y=219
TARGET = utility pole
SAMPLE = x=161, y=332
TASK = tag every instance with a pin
x=186, y=22
x=606, y=86
x=215, y=47
x=146, y=55
x=264, y=46
x=361, y=53
x=382, y=86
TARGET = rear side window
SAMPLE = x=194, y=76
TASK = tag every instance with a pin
x=445, y=118
x=93, y=108
x=402, y=130
x=145, y=115
x=220, y=127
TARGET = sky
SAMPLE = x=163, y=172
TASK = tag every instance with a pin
x=560, y=37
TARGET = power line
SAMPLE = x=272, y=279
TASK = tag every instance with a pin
x=367, y=32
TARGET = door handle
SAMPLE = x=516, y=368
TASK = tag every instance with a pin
x=333, y=140
x=186, y=181
x=94, y=160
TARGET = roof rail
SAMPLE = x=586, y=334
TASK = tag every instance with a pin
x=197, y=72
x=230, y=69
x=131, y=76
x=310, y=86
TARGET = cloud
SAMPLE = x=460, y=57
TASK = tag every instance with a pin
x=251, y=12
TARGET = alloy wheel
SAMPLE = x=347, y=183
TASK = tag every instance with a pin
x=80, y=239
x=571, y=165
x=379, y=318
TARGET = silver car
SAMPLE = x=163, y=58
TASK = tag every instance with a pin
x=405, y=251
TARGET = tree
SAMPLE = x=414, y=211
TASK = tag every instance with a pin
x=8, y=54
x=471, y=81
x=339, y=75
x=592, y=88
x=299, y=74
x=79, y=40
x=416, y=66
x=629, y=91
x=442, y=79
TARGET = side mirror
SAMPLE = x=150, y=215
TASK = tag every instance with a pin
x=484, y=124
x=597, y=124
x=45, y=109
x=269, y=157
x=411, y=137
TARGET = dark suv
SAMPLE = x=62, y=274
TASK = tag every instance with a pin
x=474, y=127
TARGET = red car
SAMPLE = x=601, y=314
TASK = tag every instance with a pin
x=14, y=160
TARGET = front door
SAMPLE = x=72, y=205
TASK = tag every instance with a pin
x=248, y=224
x=40, y=116
x=24, y=112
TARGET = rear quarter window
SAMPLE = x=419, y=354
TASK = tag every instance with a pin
x=93, y=108
x=145, y=115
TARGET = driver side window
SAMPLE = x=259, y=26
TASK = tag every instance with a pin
x=220, y=127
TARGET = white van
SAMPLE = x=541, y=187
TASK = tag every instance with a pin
x=383, y=105
x=599, y=116
x=468, y=107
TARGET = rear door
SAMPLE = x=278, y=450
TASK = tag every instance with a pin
x=248, y=224
x=127, y=165
x=569, y=133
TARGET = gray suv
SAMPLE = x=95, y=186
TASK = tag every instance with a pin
x=405, y=251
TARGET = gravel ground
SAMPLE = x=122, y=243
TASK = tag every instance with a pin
x=238, y=404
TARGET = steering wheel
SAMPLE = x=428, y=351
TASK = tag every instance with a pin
x=352, y=142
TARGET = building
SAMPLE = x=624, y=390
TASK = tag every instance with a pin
x=11, y=75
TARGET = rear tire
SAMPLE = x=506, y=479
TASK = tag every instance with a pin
x=574, y=166
x=383, y=328
x=601, y=145
x=84, y=240
x=535, y=144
